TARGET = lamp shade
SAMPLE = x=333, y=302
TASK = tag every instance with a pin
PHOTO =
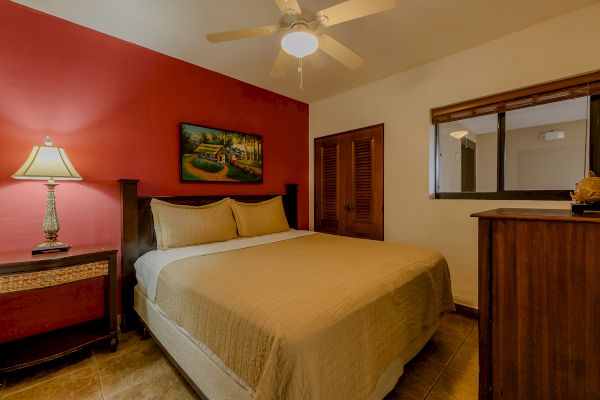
x=47, y=162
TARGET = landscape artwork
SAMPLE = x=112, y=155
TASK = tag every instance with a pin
x=216, y=155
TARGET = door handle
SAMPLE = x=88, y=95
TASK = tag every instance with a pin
x=349, y=207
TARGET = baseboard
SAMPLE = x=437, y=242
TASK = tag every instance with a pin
x=467, y=311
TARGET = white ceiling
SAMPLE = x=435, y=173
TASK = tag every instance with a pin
x=414, y=33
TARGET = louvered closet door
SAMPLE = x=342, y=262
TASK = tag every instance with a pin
x=349, y=183
x=364, y=187
x=329, y=190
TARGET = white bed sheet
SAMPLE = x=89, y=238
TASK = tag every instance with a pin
x=148, y=266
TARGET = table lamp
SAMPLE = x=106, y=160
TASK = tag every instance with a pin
x=51, y=163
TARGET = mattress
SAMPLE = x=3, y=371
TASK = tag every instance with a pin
x=208, y=374
x=310, y=316
x=215, y=380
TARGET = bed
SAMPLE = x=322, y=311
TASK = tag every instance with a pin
x=292, y=315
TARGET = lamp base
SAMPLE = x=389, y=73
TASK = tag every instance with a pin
x=50, y=247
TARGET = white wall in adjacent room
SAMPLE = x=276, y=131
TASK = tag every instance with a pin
x=535, y=164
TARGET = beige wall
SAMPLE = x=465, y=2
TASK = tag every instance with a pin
x=554, y=49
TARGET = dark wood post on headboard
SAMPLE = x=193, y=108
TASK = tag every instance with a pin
x=129, y=250
x=290, y=202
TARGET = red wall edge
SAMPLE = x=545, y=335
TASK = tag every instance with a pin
x=116, y=107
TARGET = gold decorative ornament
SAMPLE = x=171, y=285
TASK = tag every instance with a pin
x=587, y=190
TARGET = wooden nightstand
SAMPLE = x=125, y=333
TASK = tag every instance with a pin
x=54, y=304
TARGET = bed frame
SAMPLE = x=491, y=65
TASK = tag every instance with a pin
x=138, y=236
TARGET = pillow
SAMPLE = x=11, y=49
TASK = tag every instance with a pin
x=254, y=219
x=178, y=225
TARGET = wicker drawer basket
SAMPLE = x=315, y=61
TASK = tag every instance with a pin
x=51, y=277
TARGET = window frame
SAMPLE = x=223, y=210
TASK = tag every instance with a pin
x=500, y=193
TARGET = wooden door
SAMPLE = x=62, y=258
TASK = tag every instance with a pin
x=349, y=183
x=468, y=174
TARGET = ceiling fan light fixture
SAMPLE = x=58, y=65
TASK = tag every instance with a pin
x=299, y=44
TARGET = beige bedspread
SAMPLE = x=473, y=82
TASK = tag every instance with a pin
x=315, y=317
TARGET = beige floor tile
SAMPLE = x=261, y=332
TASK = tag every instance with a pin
x=21, y=379
x=127, y=341
x=139, y=370
x=473, y=338
x=131, y=367
x=454, y=385
x=419, y=376
x=170, y=385
x=400, y=395
x=78, y=385
x=441, y=348
x=466, y=360
x=455, y=326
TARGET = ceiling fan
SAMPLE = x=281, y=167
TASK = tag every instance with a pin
x=301, y=40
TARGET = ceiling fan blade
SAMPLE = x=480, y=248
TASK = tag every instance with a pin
x=242, y=33
x=353, y=9
x=287, y=5
x=282, y=63
x=339, y=52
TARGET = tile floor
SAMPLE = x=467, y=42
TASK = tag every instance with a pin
x=447, y=369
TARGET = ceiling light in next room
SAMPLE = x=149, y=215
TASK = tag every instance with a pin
x=299, y=44
x=552, y=135
x=459, y=134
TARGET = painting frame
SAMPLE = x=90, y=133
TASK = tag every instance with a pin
x=217, y=155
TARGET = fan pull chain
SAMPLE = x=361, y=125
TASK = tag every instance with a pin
x=300, y=73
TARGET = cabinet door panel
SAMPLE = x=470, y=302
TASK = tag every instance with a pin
x=545, y=284
x=329, y=186
x=364, y=191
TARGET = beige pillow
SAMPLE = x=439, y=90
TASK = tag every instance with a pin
x=179, y=225
x=254, y=219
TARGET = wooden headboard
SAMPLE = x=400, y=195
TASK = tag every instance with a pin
x=138, y=236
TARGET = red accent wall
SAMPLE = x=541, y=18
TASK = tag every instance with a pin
x=116, y=107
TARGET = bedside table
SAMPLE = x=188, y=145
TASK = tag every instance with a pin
x=54, y=304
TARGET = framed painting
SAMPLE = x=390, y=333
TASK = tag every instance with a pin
x=217, y=155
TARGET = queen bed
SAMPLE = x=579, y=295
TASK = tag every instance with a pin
x=288, y=315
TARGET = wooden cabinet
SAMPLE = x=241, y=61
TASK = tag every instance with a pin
x=54, y=304
x=349, y=183
x=539, y=305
